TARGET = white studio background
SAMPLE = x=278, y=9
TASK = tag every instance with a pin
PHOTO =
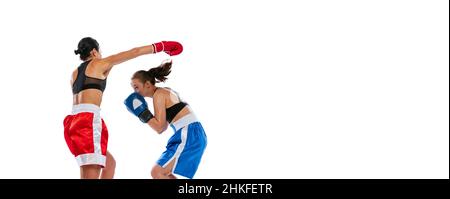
x=284, y=89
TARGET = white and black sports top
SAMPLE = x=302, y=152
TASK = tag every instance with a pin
x=84, y=82
x=172, y=111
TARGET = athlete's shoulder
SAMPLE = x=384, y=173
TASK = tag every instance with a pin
x=99, y=64
x=162, y=91
x=74, y=75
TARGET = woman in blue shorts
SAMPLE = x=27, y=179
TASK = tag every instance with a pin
x=185, y=148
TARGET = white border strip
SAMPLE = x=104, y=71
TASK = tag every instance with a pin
x=184, y=121
x=91, y=158
x=179, y=150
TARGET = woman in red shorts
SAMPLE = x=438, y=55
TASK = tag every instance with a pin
x=84, y=130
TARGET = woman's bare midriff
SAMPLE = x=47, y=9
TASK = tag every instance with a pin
x=88, y=96
x=185, y=111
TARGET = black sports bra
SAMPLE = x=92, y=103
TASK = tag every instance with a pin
x=172, y=111
x=84, y=82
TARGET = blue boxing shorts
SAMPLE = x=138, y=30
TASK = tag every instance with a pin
x=186, y=146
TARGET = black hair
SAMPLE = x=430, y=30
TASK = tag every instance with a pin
x=85, y=46
x=159, y=73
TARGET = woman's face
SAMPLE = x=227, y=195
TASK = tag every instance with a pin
x=141, y=88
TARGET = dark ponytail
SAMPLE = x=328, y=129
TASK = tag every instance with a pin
x=85, y=46
x=159, y=73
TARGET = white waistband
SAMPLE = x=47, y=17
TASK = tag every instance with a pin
x=91, y=108
x=184, y=121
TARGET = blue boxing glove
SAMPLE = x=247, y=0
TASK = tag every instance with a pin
x=137, y=105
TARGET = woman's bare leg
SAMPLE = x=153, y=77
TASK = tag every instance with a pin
x=171, y=176
x=90, y=171
x=110, y=167
x=159, y=172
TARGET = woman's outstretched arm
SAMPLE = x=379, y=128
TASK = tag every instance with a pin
x=172, y=48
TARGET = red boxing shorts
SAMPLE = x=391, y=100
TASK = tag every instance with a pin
x=86, y=135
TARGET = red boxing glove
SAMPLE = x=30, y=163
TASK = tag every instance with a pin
x=170, y=47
